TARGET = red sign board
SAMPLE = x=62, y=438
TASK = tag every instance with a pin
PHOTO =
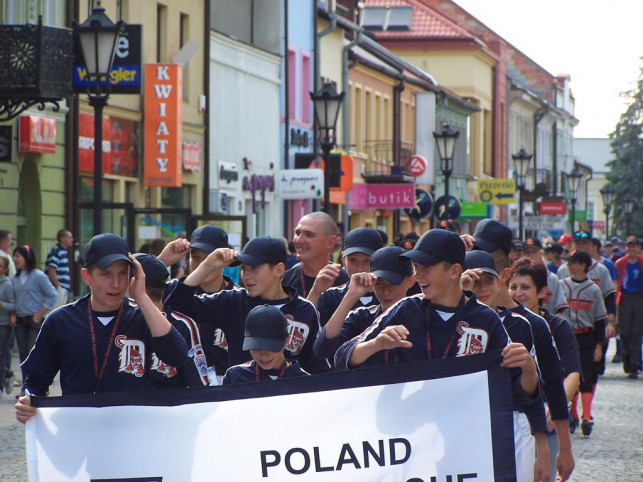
x=552, y=208
x=37, y=134
x=86, y=143
x=191, y=155
x=416, y=165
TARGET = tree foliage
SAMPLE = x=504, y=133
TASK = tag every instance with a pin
x=626, y=170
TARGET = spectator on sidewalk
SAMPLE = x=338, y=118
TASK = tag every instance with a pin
x=57, y=266
x=7, y=304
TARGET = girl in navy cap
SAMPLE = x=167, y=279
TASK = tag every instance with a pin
x=265, y=337
x=103, y=342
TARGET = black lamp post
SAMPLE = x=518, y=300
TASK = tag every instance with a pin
x=326, y=102
x=98, y=37
x=628, y=202
x=573, y=185
x=521, y=163
x=446, y=146
x=607, y=193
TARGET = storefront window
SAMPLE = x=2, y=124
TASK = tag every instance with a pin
x=175, y=197
x=87, y=189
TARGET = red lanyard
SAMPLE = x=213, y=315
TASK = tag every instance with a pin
x=281, y=372
x=446, y=350
x=98, y=376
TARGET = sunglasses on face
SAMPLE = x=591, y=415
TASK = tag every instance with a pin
x=579, y=235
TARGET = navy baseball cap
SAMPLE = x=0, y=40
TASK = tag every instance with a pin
x=480, y=260
x=517, y=245
x=362, y=240
x=208, y=238
x=266, y=329
x=155, y=271
x=616, y=240
x=533, y=243
x=386, y=263
x=555, y=248
x=491, y=235
x=260, y=250
x=435, y=246
x=105, y=249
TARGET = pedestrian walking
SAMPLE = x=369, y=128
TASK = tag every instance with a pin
x=7, y=325
x=57, y=266
x=35, y=296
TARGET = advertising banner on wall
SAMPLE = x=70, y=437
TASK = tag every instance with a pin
x=425, y=421
x=120, y=145
x=163, y=128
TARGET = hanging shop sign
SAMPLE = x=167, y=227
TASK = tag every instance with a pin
x=381, y=196
x=300, y=184
x=191, y=155
x=37, y=134
x=163, y=125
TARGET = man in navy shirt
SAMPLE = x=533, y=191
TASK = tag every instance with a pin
x=104, y=341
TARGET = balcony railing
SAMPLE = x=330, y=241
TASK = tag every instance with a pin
x=384, y=150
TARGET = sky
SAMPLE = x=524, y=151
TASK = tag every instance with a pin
x=598, y=43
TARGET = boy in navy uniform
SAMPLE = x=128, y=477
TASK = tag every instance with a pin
x=389, y=277
x=262, y=261
x=104, y=341
x=441, y=322
x=203, y=241
x=491, y=236
x=359, y=245
x=587, y=315
x=265, y=337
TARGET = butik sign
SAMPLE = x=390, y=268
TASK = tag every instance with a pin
x=163, y=125
x=37, y=134
x=382, y=196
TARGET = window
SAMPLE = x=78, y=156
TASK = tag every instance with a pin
x=305, y=87
x=161, y=33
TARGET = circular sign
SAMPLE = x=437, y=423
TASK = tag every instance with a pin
x=451, y=212
x=423, y=205
x=416, y=166
x=486, y=196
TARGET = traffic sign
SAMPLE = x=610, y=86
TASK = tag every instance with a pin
x=416, y=165
x=497, y=191
x=423, y=205
x=452, y=212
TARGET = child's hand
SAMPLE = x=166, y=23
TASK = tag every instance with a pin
x=362, y=283
x=220, y=258
x=393, y=337
x=515, y=355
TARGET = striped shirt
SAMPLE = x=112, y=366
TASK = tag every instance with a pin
x=59, y=260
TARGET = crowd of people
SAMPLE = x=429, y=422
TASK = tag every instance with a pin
x=550, y=308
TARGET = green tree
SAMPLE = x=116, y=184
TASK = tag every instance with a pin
x=626, y=170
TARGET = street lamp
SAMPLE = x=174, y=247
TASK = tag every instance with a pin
x=326, y=102
x=573, y=185
x=607, y=193
x=98, y=37
x=446, y=146
x=521, y=163
x=628, y=202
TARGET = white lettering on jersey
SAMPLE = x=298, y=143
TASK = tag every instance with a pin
x=131, y=356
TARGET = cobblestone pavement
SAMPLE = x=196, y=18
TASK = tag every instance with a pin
x=613, y=453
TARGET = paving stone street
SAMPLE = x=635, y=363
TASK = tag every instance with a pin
x=613, y=453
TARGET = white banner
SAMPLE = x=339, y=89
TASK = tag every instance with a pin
x=424, y=430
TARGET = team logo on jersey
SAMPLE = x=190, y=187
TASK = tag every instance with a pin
x=298, y=333
x=131, y=356
x=219, y=339
x=163, y=368
x=472, y=340
x=580, y=305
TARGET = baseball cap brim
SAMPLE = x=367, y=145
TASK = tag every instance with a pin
x=489, y=270
x=105, y=261
x=485, y=245
x=391, y=276
x=358, y=249
x=208, y=248
x=421, y=257
x=257, y=343
x=248, y=259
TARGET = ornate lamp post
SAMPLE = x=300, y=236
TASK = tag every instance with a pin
x=573, y=185
x=446, y=146
x=326, y=102
x=628, y=202
x=607, y=193
x=98, y=37
x=521, y=163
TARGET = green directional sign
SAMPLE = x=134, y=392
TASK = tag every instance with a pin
x=475, y=211
x=497, y=191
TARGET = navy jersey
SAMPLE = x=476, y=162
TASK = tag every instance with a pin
x=519, y=331
x=549, y=364
x=251, y=372
x=65, y=344
x=355, y=323
x=212, y=338
x=192, y=374
x=295, y=278
x=228, y=310
x=332, y=297
x=561, y=330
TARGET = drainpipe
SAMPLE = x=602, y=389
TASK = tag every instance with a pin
x=345, y=112
x=397, y=127
x=589, y=178
x=554, y=160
